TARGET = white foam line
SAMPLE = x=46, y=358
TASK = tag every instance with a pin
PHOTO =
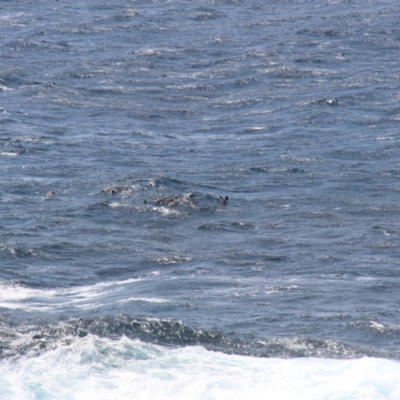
x=143, y=299
x=19, y=297
x=100, y=368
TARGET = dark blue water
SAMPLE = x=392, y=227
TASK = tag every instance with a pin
x=289, y=108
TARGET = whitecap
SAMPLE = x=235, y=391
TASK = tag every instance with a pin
x=377, y=326
x=5, y=88
x=18, y=297
x=143, y=299
x=116, y=204
x=101, y=368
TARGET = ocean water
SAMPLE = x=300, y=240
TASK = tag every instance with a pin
x=122, y=272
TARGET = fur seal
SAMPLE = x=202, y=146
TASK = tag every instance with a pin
x=223, y=201
x=172, y=201
x=111, y=190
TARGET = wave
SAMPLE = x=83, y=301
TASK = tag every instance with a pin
x=17, y=296
x=34, y=337
x=92, y=366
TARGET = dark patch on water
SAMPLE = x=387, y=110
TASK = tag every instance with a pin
x=46, y=336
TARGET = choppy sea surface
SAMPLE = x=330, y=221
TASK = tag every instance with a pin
x=122, y=272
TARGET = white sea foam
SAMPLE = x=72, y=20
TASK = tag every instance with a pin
x=169, y=212
x=143, y=299
x=91, y=367
x=5, y=88
x=116, y=204
x=377, y=326
x=16, y=297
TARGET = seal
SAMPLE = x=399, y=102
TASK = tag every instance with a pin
x=173, y=203
x=223, y=201
x=110, y=190
x=187, y=200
